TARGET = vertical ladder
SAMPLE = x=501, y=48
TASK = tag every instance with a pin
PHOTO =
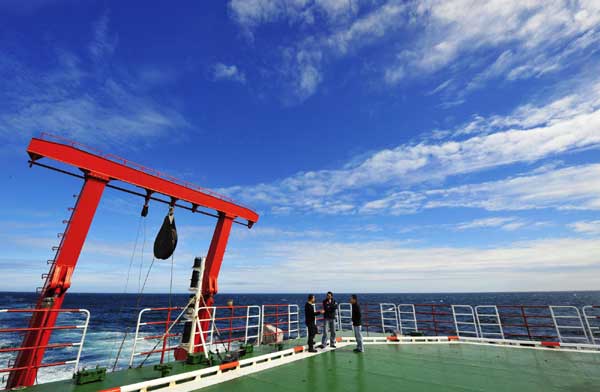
x=464, y=317
x=250, y=326
x=591, y=315
x=407, y=319
x=568, y=319
x=293, y=321
x=345, y=312
x=491, y=320
x=389, y=317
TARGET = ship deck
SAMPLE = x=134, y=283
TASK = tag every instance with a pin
x=406, y=367
x=429, y=367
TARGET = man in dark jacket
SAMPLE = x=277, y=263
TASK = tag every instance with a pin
x=357, y=323
x=310, y=316
x=329, y=309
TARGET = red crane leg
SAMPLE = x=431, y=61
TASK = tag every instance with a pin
x=214, y=258
x=58, y=282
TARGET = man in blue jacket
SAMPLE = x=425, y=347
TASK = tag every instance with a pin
x=329, y=310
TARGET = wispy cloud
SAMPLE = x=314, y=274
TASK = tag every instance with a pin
x=571, y=188
x=534, y=38
x=228, y=72
x=104, y=43
x=385, y=265
x=507, y=40
x=586, y=227
x=505, y=223
x=250, y=14
x=75, y=98
x=342, y=30
x=529, y=134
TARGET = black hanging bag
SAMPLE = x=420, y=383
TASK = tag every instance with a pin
x=166, y=239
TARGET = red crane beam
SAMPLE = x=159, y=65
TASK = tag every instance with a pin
x=99, y=171
x=116, y=171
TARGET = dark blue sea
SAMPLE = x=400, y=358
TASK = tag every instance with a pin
x=113, y=315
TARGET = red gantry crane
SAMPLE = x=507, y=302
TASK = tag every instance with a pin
x=98, y=172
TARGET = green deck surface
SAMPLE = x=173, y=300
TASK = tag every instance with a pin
x=434, y=367
x=416, y=367
x=135, y=375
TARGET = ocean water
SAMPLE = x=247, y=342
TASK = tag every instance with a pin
x=114, y=316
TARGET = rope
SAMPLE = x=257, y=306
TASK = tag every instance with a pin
x=141, y=262
x=139, y=297
x=131, y=259
x=171, y=288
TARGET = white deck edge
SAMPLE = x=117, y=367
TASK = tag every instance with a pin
x=198, y=379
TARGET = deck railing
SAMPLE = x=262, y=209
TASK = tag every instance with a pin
x=558, y=323
x=232, y=324
x=62, y=344
x=155, y=328
x=279, y=322
x=591, y=314
x=159, y=330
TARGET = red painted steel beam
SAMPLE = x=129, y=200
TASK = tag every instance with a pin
x=214, y=259
x=39, y=148
x=99, y=171
x=58, y=282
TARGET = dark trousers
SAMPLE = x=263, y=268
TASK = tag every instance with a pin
x=312, y=331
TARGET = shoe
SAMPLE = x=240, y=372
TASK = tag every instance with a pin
x=357, y=350
x=312, y=350
x=322, y=346
x=333, y=346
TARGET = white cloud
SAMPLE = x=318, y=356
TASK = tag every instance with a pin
x=529, y=39
x=82, y=101
x=342, y=31
x=104, y=43
x=571, y=188
x=228, y=72
x=537, y=36
x=528, y=134
x=505, y=223
x=250, y=14
x=392, y=267
x=586, y=227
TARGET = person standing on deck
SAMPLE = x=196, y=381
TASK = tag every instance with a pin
x=310, y=319
x=357, y=323
x=329, y=309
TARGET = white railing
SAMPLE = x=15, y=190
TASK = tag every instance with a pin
x=345, y=312
x=407, y=317
x=562, y=323
x=567, y=321
x=279, y=322
x=62, y=325
x=250, y=326
x=389, y=317
x=491, y=321
x=591, y=314
x=155, y=319
x=293, y=321
x=464, y=317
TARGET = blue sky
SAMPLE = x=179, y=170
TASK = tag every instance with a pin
x=389, y=146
